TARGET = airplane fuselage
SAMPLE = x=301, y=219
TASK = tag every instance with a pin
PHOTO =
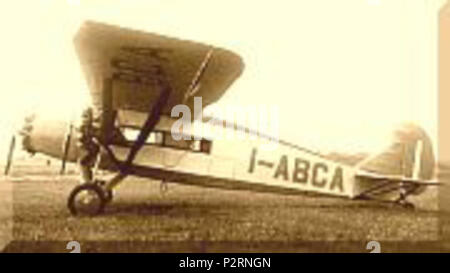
x=252, y=162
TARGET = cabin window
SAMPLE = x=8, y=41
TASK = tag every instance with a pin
x=166, y=139
x=155, y=138
x=181, y=144
x=195, y=145
x=131, y=135
x=202, y=145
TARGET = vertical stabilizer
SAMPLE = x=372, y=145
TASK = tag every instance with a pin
x=409, y=154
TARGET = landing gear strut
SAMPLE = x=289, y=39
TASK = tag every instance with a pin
x=91, y=198
x=107, y=193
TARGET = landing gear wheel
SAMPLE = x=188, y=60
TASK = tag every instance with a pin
x=107, y=194
x=88, y=199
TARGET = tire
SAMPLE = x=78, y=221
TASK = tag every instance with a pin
x=107, y=194
x=95, y=193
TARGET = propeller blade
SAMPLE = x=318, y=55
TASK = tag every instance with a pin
x=10, y=155
x=66, y=151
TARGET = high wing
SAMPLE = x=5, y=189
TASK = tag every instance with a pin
x=132, y=59
x=148, y=73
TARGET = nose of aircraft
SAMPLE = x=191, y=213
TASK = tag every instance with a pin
x=25, y=134
x=46, y=134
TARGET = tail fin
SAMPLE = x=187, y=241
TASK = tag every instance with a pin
x=409, y=154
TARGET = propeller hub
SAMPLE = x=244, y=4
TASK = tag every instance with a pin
x=25, y=133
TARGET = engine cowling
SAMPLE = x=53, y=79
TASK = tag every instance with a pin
x=48, y=135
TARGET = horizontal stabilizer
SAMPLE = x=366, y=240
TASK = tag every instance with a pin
x=394, y=178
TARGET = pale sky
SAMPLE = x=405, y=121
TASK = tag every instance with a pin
x=341, y=72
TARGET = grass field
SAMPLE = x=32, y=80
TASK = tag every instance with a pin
x=188, y=218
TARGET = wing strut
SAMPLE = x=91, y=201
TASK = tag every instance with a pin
x=150, y=123
x=194, y=86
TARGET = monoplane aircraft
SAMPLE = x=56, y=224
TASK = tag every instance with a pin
x=135, y=79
